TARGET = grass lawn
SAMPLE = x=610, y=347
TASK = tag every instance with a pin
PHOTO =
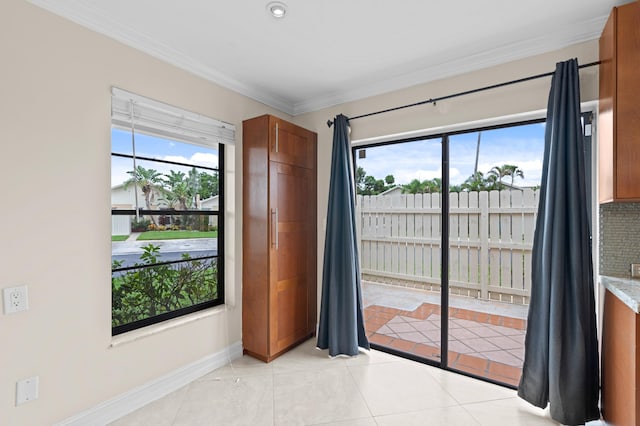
x=119, y=237
x=172, y=235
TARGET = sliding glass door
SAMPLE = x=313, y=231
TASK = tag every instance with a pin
x=492, y=209
x=399, y=206
x=446, y=229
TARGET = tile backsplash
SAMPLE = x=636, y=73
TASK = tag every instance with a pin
x=619, y=238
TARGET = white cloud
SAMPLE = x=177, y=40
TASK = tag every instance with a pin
x=406, y=175
x=120, y=167
x=200, y=158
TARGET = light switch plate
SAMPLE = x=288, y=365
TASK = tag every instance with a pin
x=27, y=390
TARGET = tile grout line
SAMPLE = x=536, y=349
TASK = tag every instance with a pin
x=360, y=391
x=182, y=401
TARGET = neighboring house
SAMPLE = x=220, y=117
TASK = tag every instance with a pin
x=124, y=198
x=520, y=188
x=392, y=191
x=210, y=203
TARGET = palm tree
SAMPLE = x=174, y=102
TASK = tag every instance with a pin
x=149, y=181
x=173, y=178
x=193, y=181
x=506, y=170
x=182, y=193
x=413, y=187
x=177, y=191
x=491, y=183
x=475, y=182
x=499, y=173
x=513, y=171
x=480, y=182
x=433, y=185
x=208, y=185
x=360, y=175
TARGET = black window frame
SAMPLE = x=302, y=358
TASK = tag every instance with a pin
x=219, y=256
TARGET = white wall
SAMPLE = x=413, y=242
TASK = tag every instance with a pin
x=55, y=82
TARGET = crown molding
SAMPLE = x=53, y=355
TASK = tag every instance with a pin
x=89, y=17
x=577, y=33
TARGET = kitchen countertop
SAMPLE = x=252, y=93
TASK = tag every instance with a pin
x=625, y=289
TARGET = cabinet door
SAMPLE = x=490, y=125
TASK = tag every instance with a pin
x=627, y=105
x=290, y=144
x=291, y=231
x=619, y=118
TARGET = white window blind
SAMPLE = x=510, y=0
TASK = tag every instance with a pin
x=145, y=115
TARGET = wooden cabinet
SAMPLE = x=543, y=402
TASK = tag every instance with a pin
x=619, y=118
x=279, y=236
x=620, y=368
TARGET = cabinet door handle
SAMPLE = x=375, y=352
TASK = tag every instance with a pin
x=276, y=137
x=277, y=237
x=274, y=228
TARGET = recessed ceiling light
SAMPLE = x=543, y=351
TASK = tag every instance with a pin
x=277, y=9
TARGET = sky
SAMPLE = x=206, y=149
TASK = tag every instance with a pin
x=522, y=146
x=153, y=147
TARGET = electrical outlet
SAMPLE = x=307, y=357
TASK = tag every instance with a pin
x=15, y=299
x=635, y=270
x=27, y=390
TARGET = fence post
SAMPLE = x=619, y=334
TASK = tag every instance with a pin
x=483, y=200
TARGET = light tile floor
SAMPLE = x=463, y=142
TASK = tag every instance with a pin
x=306, y=387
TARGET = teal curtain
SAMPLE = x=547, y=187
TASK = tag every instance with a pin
x=561, y=349
x=341, y=327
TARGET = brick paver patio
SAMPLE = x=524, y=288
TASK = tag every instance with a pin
x=487, y=345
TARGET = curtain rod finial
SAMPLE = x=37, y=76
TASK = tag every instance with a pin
x=329, y=123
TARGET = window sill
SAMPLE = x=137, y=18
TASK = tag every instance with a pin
x=151, y=330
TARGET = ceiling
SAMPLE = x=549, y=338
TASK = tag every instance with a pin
x=326, y=52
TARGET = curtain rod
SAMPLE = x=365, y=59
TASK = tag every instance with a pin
x=468, y=92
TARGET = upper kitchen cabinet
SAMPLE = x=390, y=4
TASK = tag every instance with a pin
x=619, y=118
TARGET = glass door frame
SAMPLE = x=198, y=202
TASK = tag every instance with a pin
x=444, y=254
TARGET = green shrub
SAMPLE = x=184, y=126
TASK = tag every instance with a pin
x=140, y=225
x=149, y=291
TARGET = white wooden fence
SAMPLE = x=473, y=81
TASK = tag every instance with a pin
x=490, y=240
x=120, y=225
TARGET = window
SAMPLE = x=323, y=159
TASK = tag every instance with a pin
x=167, y=211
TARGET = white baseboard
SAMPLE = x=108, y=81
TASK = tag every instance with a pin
x=136, y=398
